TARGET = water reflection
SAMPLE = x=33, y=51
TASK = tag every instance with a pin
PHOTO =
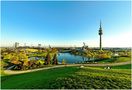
x=70, y=58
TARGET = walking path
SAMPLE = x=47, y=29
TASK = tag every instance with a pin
x=57, y=66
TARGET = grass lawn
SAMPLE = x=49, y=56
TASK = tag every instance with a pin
x=95, y=78
x=71, y=78
x=115, y=60
x=127, y=66
x=119, y=67
x=38, y=79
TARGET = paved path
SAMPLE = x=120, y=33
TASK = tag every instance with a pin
x=57, y=66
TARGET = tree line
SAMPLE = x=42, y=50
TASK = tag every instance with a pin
x=20, y=60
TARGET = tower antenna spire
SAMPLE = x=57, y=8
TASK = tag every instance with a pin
x=100, y=24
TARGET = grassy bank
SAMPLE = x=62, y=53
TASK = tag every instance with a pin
x=69, y=77
x=126, y=66
x=95, y=78
x=38, y=79
x=115, y=60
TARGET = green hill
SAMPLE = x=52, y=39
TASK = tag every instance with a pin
x=71, y=78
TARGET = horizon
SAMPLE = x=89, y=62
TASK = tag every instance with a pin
x=47, y=46
x=66, y=23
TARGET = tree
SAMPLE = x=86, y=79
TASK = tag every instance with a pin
x=20, y=60
x=23, y=58
x=2, y=64
x=104, y=56
x=39, y=63
x=31, y=64
x=63, y=62
x=47, y=59
x=7, y=56
x=55, y=60
x=15, y=59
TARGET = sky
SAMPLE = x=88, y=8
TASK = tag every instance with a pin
x=66, y=23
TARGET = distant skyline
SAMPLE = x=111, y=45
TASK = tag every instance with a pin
x=66, y=23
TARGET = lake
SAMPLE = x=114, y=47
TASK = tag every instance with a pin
x=70, y=58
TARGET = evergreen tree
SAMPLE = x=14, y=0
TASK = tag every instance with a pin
x=47, y=59
x=55, y=60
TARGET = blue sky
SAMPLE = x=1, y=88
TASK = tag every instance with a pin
x=66, y=23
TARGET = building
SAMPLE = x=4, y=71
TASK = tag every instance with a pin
x=84, y=47
x=39, y=45
x=100, y=34
x=16, y=44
